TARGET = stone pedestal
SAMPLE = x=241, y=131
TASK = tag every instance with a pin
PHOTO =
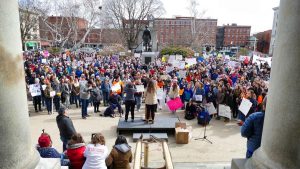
x=280, y=147
x=17, y=150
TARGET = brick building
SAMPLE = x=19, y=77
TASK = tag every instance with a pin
x=263, y=41
x=186, y=31
x=234, y=35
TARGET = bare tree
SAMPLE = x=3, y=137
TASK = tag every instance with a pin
x=29, y=20
x=129, y=16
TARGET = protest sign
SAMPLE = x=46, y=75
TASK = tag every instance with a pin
x=44, y=87
x=242, y=58
x=224, y=111
x=115, y=58
x=44, y=60
x=52, y=93
x=64, y=56
x=46, y=53
x=160, y=94
x=137, y=55
x=181, y=65
x=158, y=63
x=175, y=63
x=182, y=73
x=245, y=106
x=198, y=98
x=233, y=64
x=179, y=57
x=191, y=61
x=196, y=54
x=169, y=69
x=211, y=108
x=116, y=87
x=35, y=90
x=140, y=88
x=171, y=58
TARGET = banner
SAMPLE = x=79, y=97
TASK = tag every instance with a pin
x=181, y=65
x=88, y=59
x=140, y=88
x=52, y=93
x=44, y=60
x=35, y=90
x=175, y=63
x=233, y=64
x=224, y=111
x=44, y=87
x=182, y=73
x=245, y=106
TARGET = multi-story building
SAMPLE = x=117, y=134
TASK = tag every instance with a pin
x=186, y=31
x=234, y=35
x=220, y=37
x=263, y=41
x=274, y=30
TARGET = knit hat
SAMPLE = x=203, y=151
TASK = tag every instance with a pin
x=44, y=140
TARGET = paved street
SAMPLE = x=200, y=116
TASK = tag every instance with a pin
x=227, y=142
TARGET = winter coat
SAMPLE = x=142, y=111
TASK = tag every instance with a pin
x=150, y=98
x=84, y=92
x=105, y=87
x=65, y=126
x=174, y=93
x=120, y=157
x=75, y=155
x=48, y=152
x=252, y=130
x=96, y=94
x=129, y=93
x=66, y=89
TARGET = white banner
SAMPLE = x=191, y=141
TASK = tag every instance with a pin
x=171, y=58
x=169, y=69
x=191, y=61
x=137, y=55
x=44, y=60
x=181, y=65
x=211, y=108
x=245, y=106
x=179, y=57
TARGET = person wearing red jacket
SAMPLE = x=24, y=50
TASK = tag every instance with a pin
x=75, y=151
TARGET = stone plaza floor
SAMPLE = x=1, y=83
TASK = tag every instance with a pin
x=226, y=138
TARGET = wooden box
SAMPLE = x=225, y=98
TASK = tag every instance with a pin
x=181, y=135
x=180, y=125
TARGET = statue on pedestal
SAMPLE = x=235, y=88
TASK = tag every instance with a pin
x=147, y=39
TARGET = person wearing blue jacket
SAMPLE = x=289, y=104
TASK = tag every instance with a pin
x=252, y=129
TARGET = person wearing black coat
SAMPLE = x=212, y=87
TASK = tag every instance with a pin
x=65, y=126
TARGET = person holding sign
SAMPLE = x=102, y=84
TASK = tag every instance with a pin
x=199, y=93
x=36, y=94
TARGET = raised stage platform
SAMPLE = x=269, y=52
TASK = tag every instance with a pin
x=161, y=124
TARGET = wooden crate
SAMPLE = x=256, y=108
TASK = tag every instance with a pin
x=181, y=136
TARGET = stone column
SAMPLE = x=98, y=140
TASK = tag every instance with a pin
x=280, y=147
x=17, y=150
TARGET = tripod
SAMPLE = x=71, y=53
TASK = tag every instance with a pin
x=204, y=136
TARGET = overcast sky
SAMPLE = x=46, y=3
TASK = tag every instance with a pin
x=256, y=13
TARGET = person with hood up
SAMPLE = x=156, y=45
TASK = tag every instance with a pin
x=76, y=148
x=121, y=155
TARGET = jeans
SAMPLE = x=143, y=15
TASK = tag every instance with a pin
x=37, y=102
x=65, y=142
x=56, y=101
x=105, y=98
x=67, y=101
x=129, y=106
x=242, y=117
x=96, y=106
x=84, y=106
x=138, y=100
x=49, y=104
x=77, y=100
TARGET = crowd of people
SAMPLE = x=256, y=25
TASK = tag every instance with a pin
x=89, y=79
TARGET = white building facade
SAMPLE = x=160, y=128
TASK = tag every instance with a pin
x=274, y=30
